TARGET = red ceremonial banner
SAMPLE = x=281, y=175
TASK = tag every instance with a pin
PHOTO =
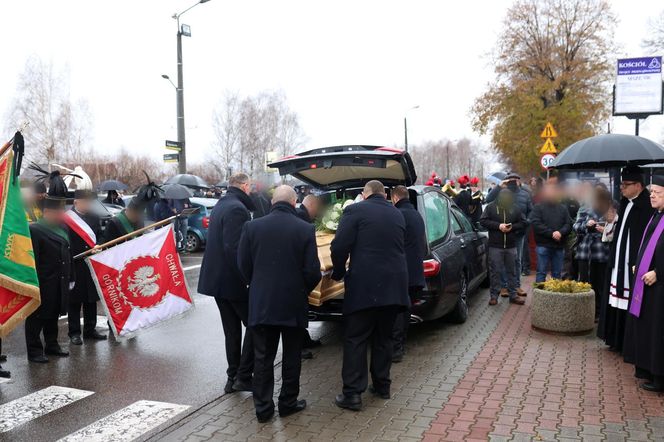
x=141, y=282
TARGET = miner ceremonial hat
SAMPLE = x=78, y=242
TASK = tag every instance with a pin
x=632, y=173
x=54, y=203
x=658, y=179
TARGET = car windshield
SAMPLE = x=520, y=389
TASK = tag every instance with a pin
x=436, y=216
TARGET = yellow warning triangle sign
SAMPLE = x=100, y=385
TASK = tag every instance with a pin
x=549, y=131
x=548, y=147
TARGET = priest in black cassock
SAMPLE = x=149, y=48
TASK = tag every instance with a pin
x=644, y=329
x=633, y=216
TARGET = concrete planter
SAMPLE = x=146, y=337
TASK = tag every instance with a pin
x=567, y=313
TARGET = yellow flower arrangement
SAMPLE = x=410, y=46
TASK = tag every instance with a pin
x=564, y=286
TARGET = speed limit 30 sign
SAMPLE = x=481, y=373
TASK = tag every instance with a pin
x=546, y=160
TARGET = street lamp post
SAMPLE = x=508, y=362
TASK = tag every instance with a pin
x=405, y=127
x=179, y=89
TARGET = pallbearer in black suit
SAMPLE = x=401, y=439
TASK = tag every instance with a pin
x=415, y=246
x=220, y=277
x=84, y=229
x=53, y=261
x=278, y=257
x=372, y=234
x=644, y=326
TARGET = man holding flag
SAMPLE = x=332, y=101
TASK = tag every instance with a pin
x=83, y=228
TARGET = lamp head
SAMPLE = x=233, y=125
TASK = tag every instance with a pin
x=165, y=76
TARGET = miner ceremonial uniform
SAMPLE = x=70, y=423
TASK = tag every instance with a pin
x=83, y=230
x=55, y=271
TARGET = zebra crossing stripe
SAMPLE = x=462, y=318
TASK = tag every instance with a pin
x=39, y=403
x=137, y=421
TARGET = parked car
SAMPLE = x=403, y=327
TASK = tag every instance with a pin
x=199, y=223
x=456, y=262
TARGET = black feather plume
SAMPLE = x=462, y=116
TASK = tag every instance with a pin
x=56, y=185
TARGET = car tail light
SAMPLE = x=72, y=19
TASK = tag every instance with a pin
x=206, y=222
x=431, y=268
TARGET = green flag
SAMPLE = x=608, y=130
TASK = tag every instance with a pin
x=19, y=286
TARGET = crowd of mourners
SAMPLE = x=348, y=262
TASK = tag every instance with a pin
x=581, y=233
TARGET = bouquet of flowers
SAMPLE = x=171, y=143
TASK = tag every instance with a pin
x=330, y=220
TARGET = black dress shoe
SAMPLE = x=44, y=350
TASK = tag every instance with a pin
x=397, y=357
x=287, y=411
x=5, y=373
x=307, y=354
x=41, y=359
x=95, y=335
x=653, y=386
x=229, y=385
x=57, y=352
x=353, y=402
x=240, y=385
x=262, y=418
x=76, y=340
x=380, y=394
x=3, y=358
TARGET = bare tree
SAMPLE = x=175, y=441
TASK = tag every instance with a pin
x=59, y=129
x=247, y=128
x=452, y=159
x=655, y=40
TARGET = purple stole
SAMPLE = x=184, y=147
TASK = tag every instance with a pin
x=644, y=265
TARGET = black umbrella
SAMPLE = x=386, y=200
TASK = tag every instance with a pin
x=609, y=150
x=107, y=185
x=188, y=180
x=176, y=192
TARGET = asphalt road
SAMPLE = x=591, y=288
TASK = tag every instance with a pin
x=181, y=362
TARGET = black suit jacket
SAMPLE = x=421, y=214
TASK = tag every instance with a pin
x=55, y=270
x=372, y=233
x=278, y=258
x=220, y=275
x=415, y=243
x=303, y=214
x=84, y=290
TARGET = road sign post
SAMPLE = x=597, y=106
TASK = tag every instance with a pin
x=548, y=149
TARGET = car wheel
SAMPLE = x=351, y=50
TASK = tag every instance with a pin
x=460, y=312
x=193, y=242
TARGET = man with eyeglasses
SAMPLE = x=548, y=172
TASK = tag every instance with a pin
x=633, y=216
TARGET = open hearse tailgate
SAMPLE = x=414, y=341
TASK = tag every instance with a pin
x=342, y=167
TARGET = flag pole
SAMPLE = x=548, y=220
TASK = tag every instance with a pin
x=123, y=238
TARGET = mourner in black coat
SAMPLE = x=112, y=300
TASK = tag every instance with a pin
x=633, y=216
x=54, y=265
x=416, y=248
x=278, y=257
x=372, y=234
x=84, y=294
x=220, y=277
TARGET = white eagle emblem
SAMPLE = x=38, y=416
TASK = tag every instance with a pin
x=143, y=282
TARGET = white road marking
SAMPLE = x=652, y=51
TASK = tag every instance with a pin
x=197, y=266
x=37, y=404
x=129, y=423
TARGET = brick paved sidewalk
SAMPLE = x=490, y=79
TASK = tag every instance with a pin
x=526, y=385
x=438, y=357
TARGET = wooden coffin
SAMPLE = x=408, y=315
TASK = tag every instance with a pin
x=327, y=288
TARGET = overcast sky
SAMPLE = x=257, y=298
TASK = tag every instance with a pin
x=350, y=69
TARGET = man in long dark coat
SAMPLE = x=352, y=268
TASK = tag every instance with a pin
x=83, y=228
x=415, y=243
x=372, y=234
x=125, y=222
x=278, y=257
x=220, y=277
x=644, y=328
x=54, y=265
x=633, y=216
